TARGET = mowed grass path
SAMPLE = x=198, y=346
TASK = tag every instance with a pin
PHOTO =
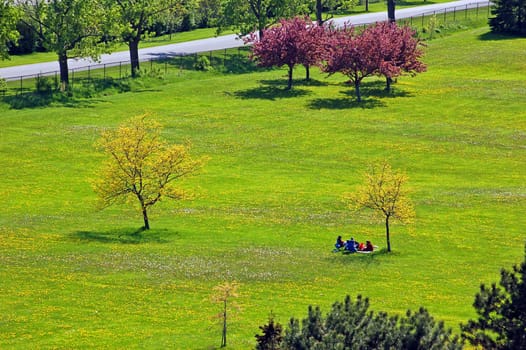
x=268, y=205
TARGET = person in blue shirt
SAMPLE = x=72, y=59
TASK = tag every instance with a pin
x=350, y=245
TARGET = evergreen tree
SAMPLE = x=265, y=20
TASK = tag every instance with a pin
x=271, y=337
x=509, y=17
x=350, y=325
x=501, y=310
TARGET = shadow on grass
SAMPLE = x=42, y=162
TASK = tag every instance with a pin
x=123, y=236
x=38, y=100
x=491, y=36
x=271, y=92
x=344, y=103
x=361, y=258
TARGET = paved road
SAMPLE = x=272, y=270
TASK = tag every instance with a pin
x=225, y=41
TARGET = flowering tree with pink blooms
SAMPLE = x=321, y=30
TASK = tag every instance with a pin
x=354, y=55
x=383, y=49
x=400, y=50
x=291, y=42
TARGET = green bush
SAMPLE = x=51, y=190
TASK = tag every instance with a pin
x=203, y=64
x=43, y=85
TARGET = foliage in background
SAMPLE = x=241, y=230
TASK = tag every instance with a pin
x=350, y=325
x=501, y=311
x=134, y=19
x=141, y=165
x=509, y=17
x=248, y=16
x=8, y=19
x=385, y=193
x=70, y=28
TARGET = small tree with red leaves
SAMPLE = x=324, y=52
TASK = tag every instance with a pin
x=292, y=42
x=400, y=51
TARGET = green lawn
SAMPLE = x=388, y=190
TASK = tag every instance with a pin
x=268, y=204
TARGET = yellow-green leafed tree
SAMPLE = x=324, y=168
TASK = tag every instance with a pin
x=141, y=166
x=224, y=294
x=385, y=192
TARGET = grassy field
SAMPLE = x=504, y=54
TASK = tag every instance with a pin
x=268, y=205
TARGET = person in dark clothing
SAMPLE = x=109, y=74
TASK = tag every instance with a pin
x=350, y=245
x=339, y=243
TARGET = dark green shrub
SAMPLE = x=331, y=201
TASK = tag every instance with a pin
x=501, y=310
x=44, y=85
x=203, y=63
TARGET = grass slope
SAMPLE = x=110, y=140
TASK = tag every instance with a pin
x=268, y=204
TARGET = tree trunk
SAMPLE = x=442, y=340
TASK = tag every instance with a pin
x=307, y=72
x=289, y=85
x=357, y=89
x=134, y=56
x=391, y=10
x=145, y=217
x=319, y=12
x=223, y=337
x=387, y=233
x=366, y=5
x=388, y=82
x=64, y=71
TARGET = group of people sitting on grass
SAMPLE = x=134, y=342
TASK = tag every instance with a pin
x=352, y=246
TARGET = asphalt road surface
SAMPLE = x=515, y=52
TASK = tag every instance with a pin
x=223, y=42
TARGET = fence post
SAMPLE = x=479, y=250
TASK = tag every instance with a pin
x=104, y=71
x=120, y=68
x=466, y=13
x=165, y=67
x=20, y=84
x=151, y=64
x=422, y=20
x=454, y=14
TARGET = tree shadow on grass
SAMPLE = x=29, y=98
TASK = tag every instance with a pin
x=271, y=92
x=39, y=100
x=491, y=36
x=344, y=103
x=123, y=236
x=377, y=89
x=354, y=259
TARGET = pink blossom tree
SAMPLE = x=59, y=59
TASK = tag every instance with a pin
x=354, y=55
x=400, y=51
x=383, y=49
x=292, y=42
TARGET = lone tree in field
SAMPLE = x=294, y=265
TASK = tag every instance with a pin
x=141, y=166
x=501, y=311
x=223, y=294
x=384, y=192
